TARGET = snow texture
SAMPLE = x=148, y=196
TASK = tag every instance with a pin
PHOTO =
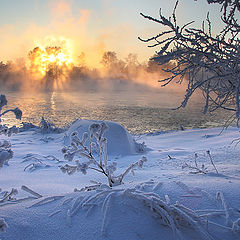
x=162, y=201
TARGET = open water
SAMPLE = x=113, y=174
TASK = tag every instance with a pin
x=139, y=112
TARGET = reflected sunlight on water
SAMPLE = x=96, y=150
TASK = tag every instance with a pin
x=139, y=112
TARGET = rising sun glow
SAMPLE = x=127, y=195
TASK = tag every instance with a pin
x=49, y=59
x=50, y=65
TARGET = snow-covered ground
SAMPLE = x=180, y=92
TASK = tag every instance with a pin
x=166, y=199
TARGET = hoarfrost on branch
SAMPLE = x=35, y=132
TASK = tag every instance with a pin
x=209, y=62
x=78, y=147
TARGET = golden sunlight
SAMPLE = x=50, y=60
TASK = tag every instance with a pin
x=49, y=60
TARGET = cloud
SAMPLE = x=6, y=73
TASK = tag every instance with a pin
x=61, y=9
x=16, y=39
x=88, y=31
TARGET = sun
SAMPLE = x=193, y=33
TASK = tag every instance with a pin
x=51, y=66
x=45, y=60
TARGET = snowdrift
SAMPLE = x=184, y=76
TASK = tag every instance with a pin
x=162, y=200
x=119, y=141
x=144, y=211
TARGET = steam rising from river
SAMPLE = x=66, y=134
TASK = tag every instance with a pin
x=52, y=68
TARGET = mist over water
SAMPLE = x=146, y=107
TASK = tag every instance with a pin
x=119, y=90
x=140, y=111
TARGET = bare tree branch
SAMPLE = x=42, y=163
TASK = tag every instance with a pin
x=209, y=62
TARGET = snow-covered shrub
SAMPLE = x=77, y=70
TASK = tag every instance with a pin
x=78, y=147
x=197, y=169
x=140, y=147
x=5, y=146
x=48, y=127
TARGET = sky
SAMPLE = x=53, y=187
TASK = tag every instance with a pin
x=90, y=26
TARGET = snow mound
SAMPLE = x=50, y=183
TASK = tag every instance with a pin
x=122, y=213
x=119, y=141
x=73, y=217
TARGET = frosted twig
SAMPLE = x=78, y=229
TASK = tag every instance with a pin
x=33, y=166
x=54, y=213
x=46, y=201
x=96, y=196
x=131, y=167
x=220, y=196
x=77, y=204
x=197, y=169
x=187, y=211
x=220, y=226
x=67, y=200
x=236, y=226
x=77, y=201
x=23, y=199
x=196, y=224
x=8, y=196
x=77, y=147
x=208, y=153
x=7, y=203
x=105, y=202
x=195, y=159
x=30, y=157
x=157, y=186
x=211, y=211
x=105, y=210
x=27, y=189
x=175, y=216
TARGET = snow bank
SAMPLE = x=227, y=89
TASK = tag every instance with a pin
x=120, y=142
x=144, y=211
x=56, y=220
x=203, y=206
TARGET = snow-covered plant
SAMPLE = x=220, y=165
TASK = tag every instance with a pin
x=5, y=146
x=16, y=111
x=140, y=147
x=8, y=196
x=78, y=147
x=208, y=61
x=48, y=127
x=5, y=152
x=196, y=169
x=211, y=159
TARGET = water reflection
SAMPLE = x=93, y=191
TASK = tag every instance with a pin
x=139, y=112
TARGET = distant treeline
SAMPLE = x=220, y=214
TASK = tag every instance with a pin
x=113, y=73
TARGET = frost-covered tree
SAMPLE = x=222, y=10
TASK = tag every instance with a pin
x=5, y=146
x=209, y=61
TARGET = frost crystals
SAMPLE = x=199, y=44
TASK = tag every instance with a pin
x=98, y=141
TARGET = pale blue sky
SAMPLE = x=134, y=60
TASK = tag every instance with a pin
x=108, y=24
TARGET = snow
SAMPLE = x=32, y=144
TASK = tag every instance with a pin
x=120, y=142
x=162, y=201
